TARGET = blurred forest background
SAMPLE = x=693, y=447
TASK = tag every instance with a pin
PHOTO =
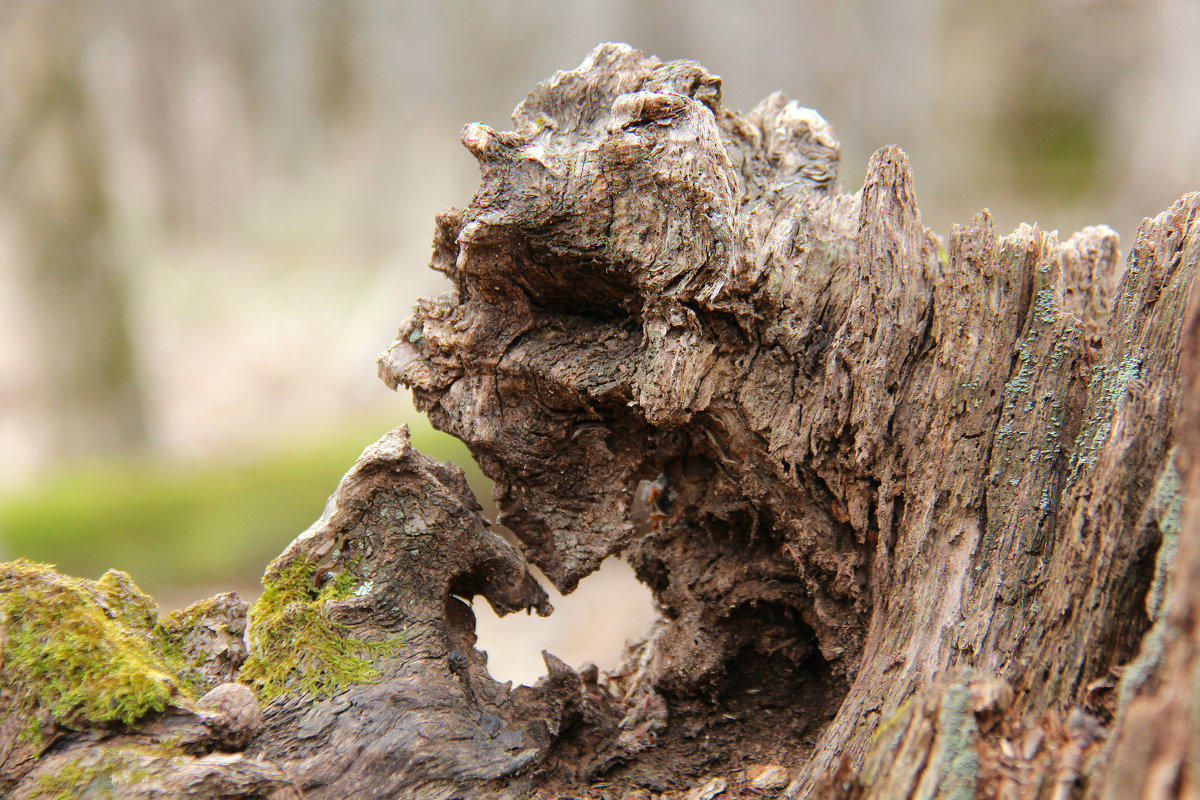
x=214, y=214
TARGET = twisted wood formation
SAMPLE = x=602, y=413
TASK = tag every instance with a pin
x=913, y=510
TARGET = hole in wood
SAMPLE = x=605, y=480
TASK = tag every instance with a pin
x=589, y=625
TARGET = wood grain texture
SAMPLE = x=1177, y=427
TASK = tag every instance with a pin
x=911, y=509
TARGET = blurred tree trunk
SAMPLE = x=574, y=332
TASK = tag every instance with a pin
x=56, y=199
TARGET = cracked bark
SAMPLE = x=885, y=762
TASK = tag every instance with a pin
x=909, y=508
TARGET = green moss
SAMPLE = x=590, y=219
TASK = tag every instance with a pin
x=80, y=649
x=170, y=635
x=125, y=602
x=111, y=772
x=66, y=784
x=295, y=647
x=185, y=619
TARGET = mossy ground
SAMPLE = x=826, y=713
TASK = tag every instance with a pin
x=81, y=650
x=296, y=648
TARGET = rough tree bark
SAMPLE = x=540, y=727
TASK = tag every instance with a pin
x=913, y=513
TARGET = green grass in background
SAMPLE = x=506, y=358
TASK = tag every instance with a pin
x=217, y=522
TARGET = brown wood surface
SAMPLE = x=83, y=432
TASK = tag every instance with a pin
x=914, y=512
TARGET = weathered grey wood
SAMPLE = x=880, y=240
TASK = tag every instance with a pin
x=909, y=507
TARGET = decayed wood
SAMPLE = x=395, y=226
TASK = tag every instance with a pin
x=1154, y=747
x=919, y=464
x=910, y=508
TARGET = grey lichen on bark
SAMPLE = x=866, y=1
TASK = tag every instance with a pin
x=900, y=501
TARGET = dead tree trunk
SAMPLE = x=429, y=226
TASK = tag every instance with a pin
x=914, y=513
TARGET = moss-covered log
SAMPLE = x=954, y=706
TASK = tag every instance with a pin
x=914, y=511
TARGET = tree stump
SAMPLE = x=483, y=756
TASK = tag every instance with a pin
x=914, y=512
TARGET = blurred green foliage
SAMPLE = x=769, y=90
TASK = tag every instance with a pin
x=1050, y=140
x=176, y=525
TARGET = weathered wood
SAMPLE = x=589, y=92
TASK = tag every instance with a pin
x=1154, y=747
x=909, y=508
x=919, y=464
